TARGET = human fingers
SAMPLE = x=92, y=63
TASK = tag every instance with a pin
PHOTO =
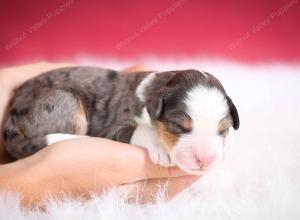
x=136, y=68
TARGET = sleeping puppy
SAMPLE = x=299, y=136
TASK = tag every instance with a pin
x=181, y=117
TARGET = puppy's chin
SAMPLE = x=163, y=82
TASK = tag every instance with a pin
x=188, y=162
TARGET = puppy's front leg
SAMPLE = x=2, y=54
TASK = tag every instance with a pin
x=144, y=136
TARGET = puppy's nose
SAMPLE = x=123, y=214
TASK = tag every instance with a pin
x=203, y=161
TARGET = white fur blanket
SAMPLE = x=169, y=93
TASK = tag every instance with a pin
x=260, y=177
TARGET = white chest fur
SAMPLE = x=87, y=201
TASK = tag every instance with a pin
x=145, y=136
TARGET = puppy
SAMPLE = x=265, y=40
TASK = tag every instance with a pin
x=181, y=117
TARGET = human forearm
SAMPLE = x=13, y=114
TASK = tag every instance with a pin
x=23, y=177
x=80, y=166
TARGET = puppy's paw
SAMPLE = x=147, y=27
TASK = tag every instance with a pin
x=159, y=156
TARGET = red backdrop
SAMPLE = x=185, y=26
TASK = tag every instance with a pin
x=252, y=31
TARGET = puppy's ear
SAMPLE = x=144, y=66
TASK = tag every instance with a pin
x=155, y=106
x=233, y=113
x=156, y=94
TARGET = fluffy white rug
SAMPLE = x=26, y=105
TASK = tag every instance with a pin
x=260, y=177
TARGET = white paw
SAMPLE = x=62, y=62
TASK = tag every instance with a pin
x=159, y=156
x=145, y=136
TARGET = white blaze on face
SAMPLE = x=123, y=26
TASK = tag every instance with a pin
x=202, y=148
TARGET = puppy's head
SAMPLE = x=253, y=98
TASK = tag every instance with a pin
x=192, y=114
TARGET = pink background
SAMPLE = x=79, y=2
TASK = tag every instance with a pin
x=250, y=31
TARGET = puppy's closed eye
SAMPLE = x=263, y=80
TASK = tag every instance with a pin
x=176, y=127
x=179, y=125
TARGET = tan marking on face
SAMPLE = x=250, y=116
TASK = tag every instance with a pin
x=167, y=138
x=81, y=121
x=225, y=123
x=187, y=123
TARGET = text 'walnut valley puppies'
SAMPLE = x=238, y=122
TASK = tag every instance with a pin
x=181, y=117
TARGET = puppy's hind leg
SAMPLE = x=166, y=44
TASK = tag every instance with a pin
x=49, y=112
